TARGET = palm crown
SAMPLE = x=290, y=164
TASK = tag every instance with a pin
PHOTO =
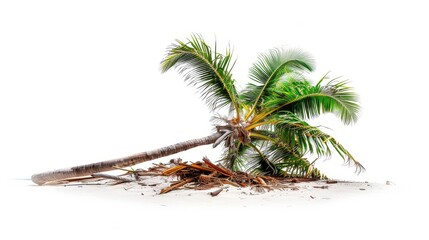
x=267, y=133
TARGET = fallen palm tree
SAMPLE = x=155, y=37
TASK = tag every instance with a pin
x=266, y=132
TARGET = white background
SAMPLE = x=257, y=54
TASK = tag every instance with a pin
x=80, y=82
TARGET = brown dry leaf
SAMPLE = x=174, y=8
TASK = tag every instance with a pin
x=173, y=170
x=222, y=170
x=175, y=186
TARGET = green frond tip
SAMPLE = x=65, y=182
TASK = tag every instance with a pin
x=279, y=61
x=206, y=69
x=308, y=101
x=293, y=132
x=270, y=68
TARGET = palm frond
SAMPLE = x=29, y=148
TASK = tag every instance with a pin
x=269, y=69
x=206, y=69
x=308, y=101
x=258, y=165
x=292, y=165
x=278, y=159
x=293, y=132
x=235, y=158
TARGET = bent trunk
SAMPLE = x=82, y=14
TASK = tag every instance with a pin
x=88, y=169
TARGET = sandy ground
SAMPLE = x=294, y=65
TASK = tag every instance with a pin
x=354, y=210
x=296, y=194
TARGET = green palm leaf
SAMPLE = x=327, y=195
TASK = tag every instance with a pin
x=293, y=132
x=308, y=101
x=269, y=69
x=235, y=158
x=278, y=159
x=292, y=164
x=206, y=69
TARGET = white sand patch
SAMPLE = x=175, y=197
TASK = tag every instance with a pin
x=132, y=211
x=296, y=194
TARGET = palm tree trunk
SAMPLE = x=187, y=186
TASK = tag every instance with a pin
x=88, y=169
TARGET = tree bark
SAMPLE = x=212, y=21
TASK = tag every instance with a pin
x=88, y=169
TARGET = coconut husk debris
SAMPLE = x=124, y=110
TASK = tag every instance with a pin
x=201, y=175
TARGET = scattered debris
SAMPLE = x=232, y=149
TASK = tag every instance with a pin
x=312, y=197
x=215, y=193
x=298, y=180
x=199, y=176
x=362, y=189
x=331, y=182
x=321, y=187
x=389, y=183
x=176, y=185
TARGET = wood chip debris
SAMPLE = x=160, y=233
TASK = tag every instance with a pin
x=331, y=182
x=321, y=187
x=215, y=193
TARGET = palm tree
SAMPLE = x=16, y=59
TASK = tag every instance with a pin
x=266, y=131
